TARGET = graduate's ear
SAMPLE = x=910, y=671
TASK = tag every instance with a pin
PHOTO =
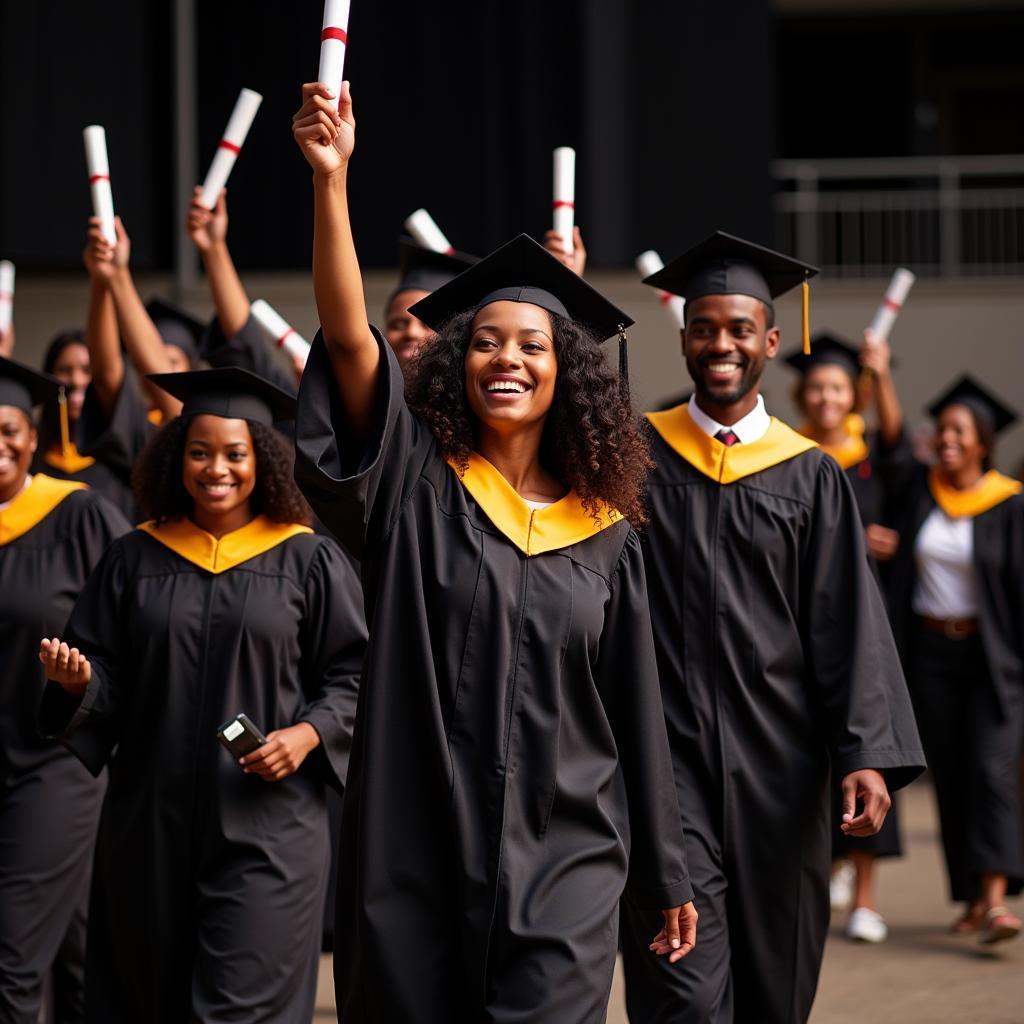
x=33, y=442
x=771, y=342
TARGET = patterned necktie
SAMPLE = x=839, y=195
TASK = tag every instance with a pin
x=727, y=437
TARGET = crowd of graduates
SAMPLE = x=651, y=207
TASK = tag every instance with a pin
x=542, y=680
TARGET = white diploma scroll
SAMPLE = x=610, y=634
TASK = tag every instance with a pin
x=650, y=262
x=230, y=146
x=426, y=232
x=278, y=331
x=6, y=295
x=333, y=42
x=895, y=295
x=564, y=204
x=99, y=179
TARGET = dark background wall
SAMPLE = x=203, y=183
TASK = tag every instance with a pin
x=459, y=106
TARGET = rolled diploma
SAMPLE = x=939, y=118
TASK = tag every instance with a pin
x=279, y=331
x=895, y=295
x=650, y=262
x=423, y=228
x=333, y=41
x=239, y=123
x=6, y=295
x=565, y=194
x=99, y=179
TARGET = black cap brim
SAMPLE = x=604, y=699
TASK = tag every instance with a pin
x=23, y=387
x=827, y=349
x=424, y=270
x=229, y=392
x=967, y=391
x=177, y=327
x=726, y=265
x=523, y=271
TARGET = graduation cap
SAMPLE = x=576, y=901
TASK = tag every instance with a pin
x=425, y=270
x=968, y=392
x=24, y=388
x=176, y=327
x=229, y=392
x=523, y=271
x=827, y=349
x=726, y=265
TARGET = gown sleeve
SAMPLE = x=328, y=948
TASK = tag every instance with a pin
x=627, y=679
x=89, y=726
x=852, y=664
x=357, y=488
x=118, y=439
x=248, y=349
x=334, y=642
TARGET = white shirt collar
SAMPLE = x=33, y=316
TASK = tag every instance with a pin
x=751, y=428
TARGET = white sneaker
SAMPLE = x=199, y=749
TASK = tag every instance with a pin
x=840, y=889
x=866, y=926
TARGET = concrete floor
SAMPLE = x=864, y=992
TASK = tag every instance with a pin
x=922, y=975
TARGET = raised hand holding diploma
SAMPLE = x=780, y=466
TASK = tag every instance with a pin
x=6, y=296
x=564, y=203
x=326, y=135
x=650, y=262
x=333, y=43
x=95, y=138
x=230, y=146
x=895, y=295
x=424, y=229
x=279, y=332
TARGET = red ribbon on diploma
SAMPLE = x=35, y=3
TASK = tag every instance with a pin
x=99, y=177
x=230, y=146
x=665, y=298
x=562, y=202
x=894, y=306
x=334, y=33
x=284, y=337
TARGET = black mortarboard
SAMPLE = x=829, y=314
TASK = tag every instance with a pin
x=726, y=265
x=425, y=270
x=23, y=388
x=177, y=327
x=523, y=271
x=967, y=391
x=228, y=391
x=827, y=349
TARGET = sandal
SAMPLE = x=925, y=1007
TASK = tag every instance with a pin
x=969, y=922
x=1000, y=925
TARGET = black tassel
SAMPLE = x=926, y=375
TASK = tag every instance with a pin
x=623, y=362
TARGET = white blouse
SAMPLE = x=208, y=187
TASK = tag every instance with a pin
x=946, y=585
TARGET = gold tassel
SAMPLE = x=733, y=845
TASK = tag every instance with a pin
x=65, y=428
x=806, y=289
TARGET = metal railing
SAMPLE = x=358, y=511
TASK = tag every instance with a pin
x=940, y=216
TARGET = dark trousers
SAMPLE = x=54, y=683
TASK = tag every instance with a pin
x=973, y=750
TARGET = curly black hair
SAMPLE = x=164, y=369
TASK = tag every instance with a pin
x=160, y=492
x=592, y=441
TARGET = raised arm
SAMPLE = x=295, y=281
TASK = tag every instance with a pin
x=101, y=336
x=327, y=139
x=208, y=230
x=145, y=347
x=875, y=356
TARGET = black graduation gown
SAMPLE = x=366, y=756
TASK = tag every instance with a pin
x=865, y=461
x=248, y=349
x=973, y=721
x=95, y=474
x=117, y=440
x=209, y=883
x=51, y=536
x=510, y=763
x=776, y=659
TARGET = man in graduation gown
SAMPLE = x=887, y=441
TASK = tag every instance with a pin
x=777, y=663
